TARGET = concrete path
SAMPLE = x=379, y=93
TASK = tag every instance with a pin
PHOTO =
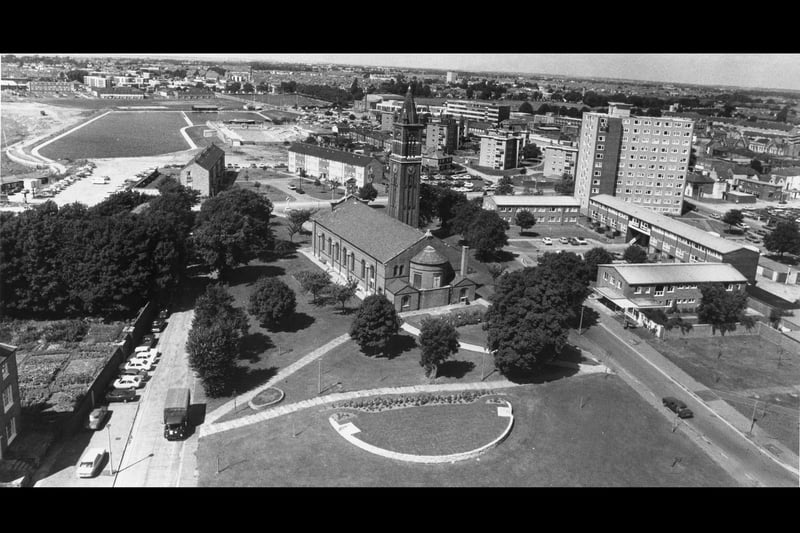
x=280, y=376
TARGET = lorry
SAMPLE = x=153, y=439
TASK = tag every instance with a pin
x=176, y=414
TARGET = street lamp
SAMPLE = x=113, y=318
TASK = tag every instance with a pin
x=580, y=325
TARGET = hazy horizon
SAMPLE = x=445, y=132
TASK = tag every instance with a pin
x=756, y=71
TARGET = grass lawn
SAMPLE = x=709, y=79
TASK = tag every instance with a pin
x=615, y=440
x=122, y=134
x=432, y=430
x=271, y=193
x=747, y=363
x=470, y=334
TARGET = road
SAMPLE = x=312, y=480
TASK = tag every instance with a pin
x=149, y=460
x=653, y=380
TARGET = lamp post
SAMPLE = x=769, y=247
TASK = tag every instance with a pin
x=110, y=462
x=580, y=325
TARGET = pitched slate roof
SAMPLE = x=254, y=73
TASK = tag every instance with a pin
x=331, y=154
x=429, y=256
x=377, y=234
x=208, y=157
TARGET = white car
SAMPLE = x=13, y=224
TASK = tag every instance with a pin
x=128, y=382
x=581, y=240
x=138, y=364
x=547, y=240
x=90, y=462
x=151, y=356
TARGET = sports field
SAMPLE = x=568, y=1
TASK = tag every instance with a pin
x=122, y=134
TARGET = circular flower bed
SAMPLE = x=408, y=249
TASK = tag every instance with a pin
x=265, y=398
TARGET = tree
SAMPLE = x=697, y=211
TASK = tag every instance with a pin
x=375, y=323
x=528, y=320
x=272, y=301
x=215, y=306
x=525, y=220
x=566, y=186
x=526, y=107
x=343, y=293
x=368, y=192
x=784, y=238
x=296, y=219
x=463, y=215
x=733, y=218
x=486, y=234
x=248, y=87
x=233, y=87
x=496, y=270
x=438, y=340
x=505, y=186
x=635, y=254
x=313, y=281
x=722, y=308
x=531, y=151
x=755, y=164
x=596, y=256
x=232, y=229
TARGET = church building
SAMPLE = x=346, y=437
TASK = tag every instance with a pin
x=383, y=249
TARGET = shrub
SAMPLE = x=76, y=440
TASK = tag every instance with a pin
x=66, y=330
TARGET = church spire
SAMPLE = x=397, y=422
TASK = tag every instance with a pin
x=408, y=115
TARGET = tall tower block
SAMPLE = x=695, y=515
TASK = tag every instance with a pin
x=405, y=165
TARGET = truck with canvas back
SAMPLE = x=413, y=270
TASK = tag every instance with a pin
x=176, y=414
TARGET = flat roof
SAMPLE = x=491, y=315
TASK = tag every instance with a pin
x=648, y=273
x=535, y=200
x=718, y=244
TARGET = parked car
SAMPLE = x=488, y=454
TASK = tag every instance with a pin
x=581, y=240
x=677, y=407
x=91, y=461
x=120, y=395
x=150, y=356
x=563, y=240
x=573, y=241
x=163, y=314
x=127, y=382
x=158, y=325
x=547, y=240
x=138, y=364
x=148, y=339
x=97, y=417
x=135, y=372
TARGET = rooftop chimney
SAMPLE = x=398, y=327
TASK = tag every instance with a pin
x=464, y=257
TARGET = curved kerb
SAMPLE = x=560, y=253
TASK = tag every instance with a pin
x=348, y=431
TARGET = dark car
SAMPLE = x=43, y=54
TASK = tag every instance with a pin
x=148, y=340
x=164, y=314
x=120, y=395
x=134, y=372
x=573, y=241
x=677, y=407
x=158, y=325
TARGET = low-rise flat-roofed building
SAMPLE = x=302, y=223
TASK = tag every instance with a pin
x=483, y=111
x=334, y=165
x=633, y=288
x=670, y=239
x=547, y=209
x=36, y=86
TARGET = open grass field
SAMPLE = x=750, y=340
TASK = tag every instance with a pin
x=554, y=442
x=742, y=370
x=122, y=134
x=432, y=430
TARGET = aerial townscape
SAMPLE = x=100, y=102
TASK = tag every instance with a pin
x=221, y=271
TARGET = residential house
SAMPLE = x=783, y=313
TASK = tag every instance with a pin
x=205, y=171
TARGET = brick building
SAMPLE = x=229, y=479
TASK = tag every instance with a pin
x=205, y=171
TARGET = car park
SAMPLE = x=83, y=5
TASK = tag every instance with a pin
x=97, y=417
x=127, y=382
x=547, y=240
x=90, y=462
x=677, y=407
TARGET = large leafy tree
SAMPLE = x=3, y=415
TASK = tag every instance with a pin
x=343, y=293
x=272, y=301
x=525, y=220
x=722, y=308
x=368, y=192
x=596, y=256
x=438, y=340
x=505, y=187
x=375, y=323
x=212, y=354
x=464, y=214
x=635, y=254
x=732, y=218
x=120, y=202
x=784, y=238
x=486, y=234
x=296, y=219
x=566, y=186
x=528, y=320
x=232, y=229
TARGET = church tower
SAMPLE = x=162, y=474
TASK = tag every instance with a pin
x=405, y=165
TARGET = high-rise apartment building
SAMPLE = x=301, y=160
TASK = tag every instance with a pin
x=441, y=134
x=643, y=160
x=500, y=149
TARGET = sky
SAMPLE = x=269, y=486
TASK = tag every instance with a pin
x=773, y=71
